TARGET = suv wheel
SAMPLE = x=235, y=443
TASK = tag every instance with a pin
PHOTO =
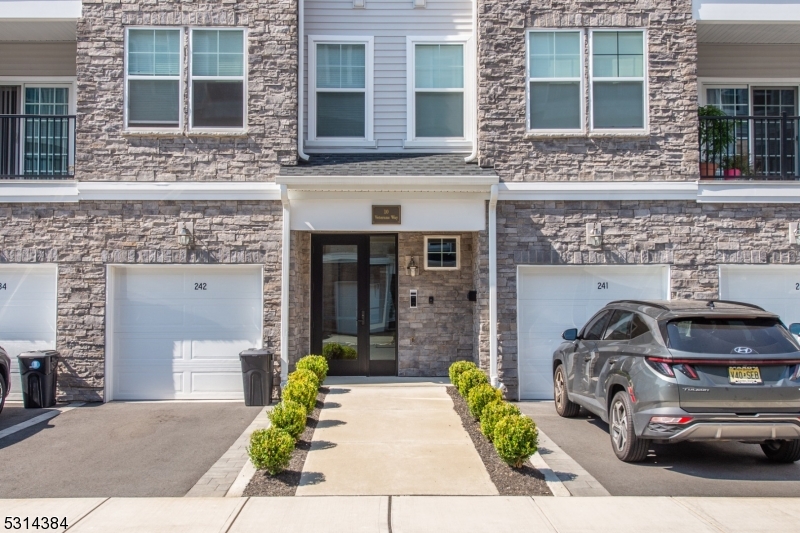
x=3, y=392
x=626, y=445
x=564, y=407
x=782, y=451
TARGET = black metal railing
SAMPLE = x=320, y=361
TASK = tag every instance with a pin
x=749, y=147
x=37, y=146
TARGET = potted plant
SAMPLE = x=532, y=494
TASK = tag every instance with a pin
x=715, y=138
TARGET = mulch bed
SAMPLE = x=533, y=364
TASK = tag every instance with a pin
x=285, y=483
x=527, y=481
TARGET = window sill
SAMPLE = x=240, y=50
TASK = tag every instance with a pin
x=591, y=135
x=438, y=143
x=180, y=133
x=341, y=143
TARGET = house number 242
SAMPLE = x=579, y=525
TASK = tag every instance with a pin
x=200, y=286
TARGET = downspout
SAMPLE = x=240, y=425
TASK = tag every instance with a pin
x=300, y=79
x=474, y=154
x=493, y=288
x=285, y=260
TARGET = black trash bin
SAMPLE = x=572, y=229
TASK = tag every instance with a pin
x=257, y=376
x=39, y=371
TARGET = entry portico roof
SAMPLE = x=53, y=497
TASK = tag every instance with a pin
x=428, y=165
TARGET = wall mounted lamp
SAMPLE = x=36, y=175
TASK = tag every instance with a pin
x=412, y=268
x=185, y=233
x=594, y=234
x=794, y=233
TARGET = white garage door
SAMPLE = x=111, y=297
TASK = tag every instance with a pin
x=176, y=332
x=776, y=288
x=551, y=299
x=27, y=313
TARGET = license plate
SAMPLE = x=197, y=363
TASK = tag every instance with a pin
x=744, y=374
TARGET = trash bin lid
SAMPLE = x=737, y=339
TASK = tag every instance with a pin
x=39, y=354
x=255, y=352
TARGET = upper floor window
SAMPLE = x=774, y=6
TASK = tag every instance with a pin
x=438, y=97
x=618, y=80
x=555, y=80
x=153, y=78
x=217, y=78
x=341, y=86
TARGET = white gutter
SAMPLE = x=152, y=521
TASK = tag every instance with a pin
x=474, y=154
x=493, y=288
x=300, y=81
x=286, y=245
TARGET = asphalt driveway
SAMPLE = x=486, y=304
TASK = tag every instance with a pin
x=118, y=449
x=683, y=469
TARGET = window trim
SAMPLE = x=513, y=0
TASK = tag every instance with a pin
x=369, y=85
x=458, y=252
x=582, y=79
x=644, y=79
x=181, y=82
x=411, y=140
x=243, y=78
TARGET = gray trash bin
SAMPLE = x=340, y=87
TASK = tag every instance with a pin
x=39, y=372
x=257, y=376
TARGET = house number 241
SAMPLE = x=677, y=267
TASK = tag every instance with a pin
x=602, y=285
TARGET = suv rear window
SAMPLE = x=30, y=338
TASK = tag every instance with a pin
x=727, y=335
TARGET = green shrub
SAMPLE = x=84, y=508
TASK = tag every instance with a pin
x=302, y=374
x=515, y=439
x=492, y=413
x=458, y=368
x=289, y=416
x=480, y=396
x=470, y=379
x=301, y=391
x=270, y=449
x=317, y=364
x=334, y=350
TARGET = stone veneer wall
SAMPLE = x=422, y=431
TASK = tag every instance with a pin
x=431, y=337
x=669, y=151
x=105, y=152
x=300, y=297
x=82, y=238
x=692, y=238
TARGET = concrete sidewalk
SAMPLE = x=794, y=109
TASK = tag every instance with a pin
x=413, y=514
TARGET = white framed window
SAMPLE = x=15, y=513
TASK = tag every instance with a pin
x=439, y=104
x=555, y=80
x=153, y=78
x=442, y=252
x=218, y=84
x=340, y=99
x=618, y=80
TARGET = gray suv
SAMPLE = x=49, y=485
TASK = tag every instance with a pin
x=670, y=371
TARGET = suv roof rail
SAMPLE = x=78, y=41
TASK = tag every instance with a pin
x=640, y=302
x=751, y=306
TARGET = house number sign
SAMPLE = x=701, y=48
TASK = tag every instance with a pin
x=386, y=214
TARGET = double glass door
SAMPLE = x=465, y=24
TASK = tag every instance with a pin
x=354, y=303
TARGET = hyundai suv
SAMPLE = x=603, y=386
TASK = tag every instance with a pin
x=671, y=371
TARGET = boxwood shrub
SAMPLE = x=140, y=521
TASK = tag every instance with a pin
x=468, y=380
x=301, y=391
x=289, y=416
x=334, y=350
x=315, y=363
x=492, y=414
x=458, y=368
x=515, y=439
x=304, y=374
x=270, y=449
x=480, y=396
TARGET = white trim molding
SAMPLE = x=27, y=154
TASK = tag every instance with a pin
x=480, y=184
x=42, y=10
x=749, y=192
x=598, y=190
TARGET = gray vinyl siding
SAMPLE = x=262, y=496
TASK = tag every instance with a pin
x=748, y=61
x=389, y=22
x=38, y=59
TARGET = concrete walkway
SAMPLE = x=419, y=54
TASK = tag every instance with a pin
x=391, y=437
x=413, y=514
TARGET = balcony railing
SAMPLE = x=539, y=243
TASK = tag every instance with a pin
x=37, y=146
x=749, y=147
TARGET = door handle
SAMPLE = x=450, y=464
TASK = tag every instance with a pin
x=362, y=320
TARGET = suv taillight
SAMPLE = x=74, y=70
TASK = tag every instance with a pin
x=796, y=373
x=688, y=371
x=662, y=366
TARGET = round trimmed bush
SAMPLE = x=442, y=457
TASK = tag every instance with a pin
x=289, y=416
x=515, y=439
x=305, y=374
x=458, y=368
x=470, y=379
x=492, y=413
x=334, y=350
x=480, y=396
x=317, y=364
x=270, y=449
x=301, y=391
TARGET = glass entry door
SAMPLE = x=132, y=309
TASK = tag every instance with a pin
x=354, y=303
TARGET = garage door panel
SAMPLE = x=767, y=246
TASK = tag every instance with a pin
x=133, y=385
x=221, y=349
x=776, y=288
x=142, y=286
x=223, y=313
x=217, y=382
x=553, y=299
x=152, y=315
